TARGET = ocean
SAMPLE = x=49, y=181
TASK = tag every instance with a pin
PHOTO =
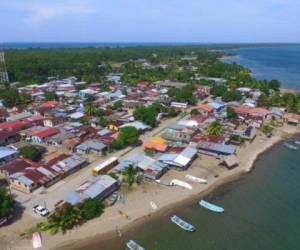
x=281, y=63
x=261, y=212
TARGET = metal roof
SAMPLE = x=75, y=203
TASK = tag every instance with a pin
x=220, y=148
x=7, y=151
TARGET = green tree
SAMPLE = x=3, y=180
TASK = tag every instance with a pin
x=130, y=174
x=233, y=95
x=50, y=95
x=274, y=84
x=129, y=135
x=218, y=90
x=32, y=152
x=195, y=112
x=117, y=105
x=6, y=203
x=91, y=208
x=231, y=114
x=90, y=109
x=215, y=128
x=62, y=219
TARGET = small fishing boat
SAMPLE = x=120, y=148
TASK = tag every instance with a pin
x=153, y=205
x=290, y=146
x=165, y=182
x=181, y=184
x=124, y=214
x=183, y=224
x=297, y=142
x=111, y=200
x=121, y=198
x=36, y=240
x=132, y=245
x=195, y=179
x=211, y=207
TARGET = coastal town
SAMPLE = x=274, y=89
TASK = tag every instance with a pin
x=101, y=155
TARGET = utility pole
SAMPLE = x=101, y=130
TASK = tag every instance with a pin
x=3, y=70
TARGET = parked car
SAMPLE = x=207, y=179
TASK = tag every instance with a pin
x=40, y=210
x=137, y=144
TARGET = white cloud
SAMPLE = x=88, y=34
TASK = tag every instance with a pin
x=42, y=12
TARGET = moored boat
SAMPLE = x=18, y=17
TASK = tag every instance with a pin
x=36, y=240
x=183, y=224
x=195, y=179
x=290, y=146
x=297, y=142
x=111, y=200
x=211, y=206
x=165, y=182
x=181, y=184
x=132, y=245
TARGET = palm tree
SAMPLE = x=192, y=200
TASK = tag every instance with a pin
x=90, y=109
x=215, y=128
x=130, y=174
x=62, y=219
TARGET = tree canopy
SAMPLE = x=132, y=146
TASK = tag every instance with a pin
x=32, y=152
x=6, y=202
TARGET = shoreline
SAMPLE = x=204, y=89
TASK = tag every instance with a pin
x=78, y=240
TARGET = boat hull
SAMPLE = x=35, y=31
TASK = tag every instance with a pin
x=211, y=207
x=182, y=224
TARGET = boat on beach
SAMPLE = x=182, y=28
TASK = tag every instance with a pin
x=132, y=245
x=211, y=206
x=124, y=214
x=111, y=200
x=297, y=142
x=183, y=184
x=165, y=182
x=36, y=240
x=290, y=146
x=195, y=179
x=183, y=224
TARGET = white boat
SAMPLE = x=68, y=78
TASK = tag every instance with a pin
x=297, y=142
x=132, y=245
x=195, y=179
x=36, y=240
x=290, y=146
x=183, y=224
x=153, y=205
x=165, y=182
x=181, y=184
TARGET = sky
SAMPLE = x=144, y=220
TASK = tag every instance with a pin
x=200, y=21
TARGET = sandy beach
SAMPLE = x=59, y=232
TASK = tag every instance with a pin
x=138, y=198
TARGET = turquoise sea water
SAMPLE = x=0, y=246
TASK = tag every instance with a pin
x=282, y=63
x=261, y=213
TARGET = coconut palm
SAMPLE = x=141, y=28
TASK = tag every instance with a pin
x=90, y=109
x=62, y=219
x=130, y=174
x=215, y=128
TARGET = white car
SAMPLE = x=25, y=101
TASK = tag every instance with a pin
x=41, y=210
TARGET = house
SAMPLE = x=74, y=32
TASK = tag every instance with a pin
x=70, y=80
x=54, y=121
x=115, y=125
x=67, y=164
x=7, y=154
x=157, y=143
x=179, y=105
x=178, y=133
x=43, y=135
x=87, y=92
x=205, y=109
x=91, y=146
x=76, y=116
x=140, y=126
x=181, y=160
x=18, y=116
x=169, y=84
x=151, y=168
x=58, y=139
x=215, y=148
x=98, y=187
